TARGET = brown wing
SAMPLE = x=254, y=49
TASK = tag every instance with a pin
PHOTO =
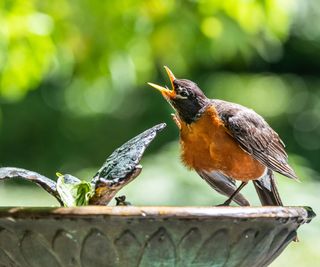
x=224, y=185
x=255, y=136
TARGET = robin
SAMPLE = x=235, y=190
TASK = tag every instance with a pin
x=225, y=142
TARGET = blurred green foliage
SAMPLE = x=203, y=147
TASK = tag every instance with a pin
x=89, y=63
x=73, y=87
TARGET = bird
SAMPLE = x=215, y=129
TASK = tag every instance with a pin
x=225, y=142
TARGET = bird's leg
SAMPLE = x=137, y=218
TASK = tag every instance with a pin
x=229, y=200
x=176, y=120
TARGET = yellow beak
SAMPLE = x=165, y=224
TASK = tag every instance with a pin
x=171, y=76
x=165, y=91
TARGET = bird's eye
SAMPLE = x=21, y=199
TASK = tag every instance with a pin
x=184, y=93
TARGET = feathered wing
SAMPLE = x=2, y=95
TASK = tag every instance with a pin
x=224, y=185
x=255, y=136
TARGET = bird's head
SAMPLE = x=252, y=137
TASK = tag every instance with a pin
x=185, y=97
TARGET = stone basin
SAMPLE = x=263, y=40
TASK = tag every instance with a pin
x=98, y=236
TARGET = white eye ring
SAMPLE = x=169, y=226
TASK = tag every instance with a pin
x=184, y=93
x=181, y=97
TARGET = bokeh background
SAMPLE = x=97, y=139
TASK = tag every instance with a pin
x=73, y=88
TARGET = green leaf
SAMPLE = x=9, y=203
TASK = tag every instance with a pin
x=74, y=192
x=84, y=193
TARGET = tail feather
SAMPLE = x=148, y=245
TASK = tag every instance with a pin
x=267, y=190
x=268, y=193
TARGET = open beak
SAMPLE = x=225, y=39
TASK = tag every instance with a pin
x=165, y=91
x=171, y=76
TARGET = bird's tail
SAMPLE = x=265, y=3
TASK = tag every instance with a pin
x=268, y=193
x=267, y=190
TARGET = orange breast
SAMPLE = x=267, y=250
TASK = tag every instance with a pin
x=206, y=145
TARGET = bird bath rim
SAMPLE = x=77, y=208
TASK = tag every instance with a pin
x=147, y=236
x=298, y=213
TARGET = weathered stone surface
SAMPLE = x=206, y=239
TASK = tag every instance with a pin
x=146, y=236
x=128, y=247
x=65, y=245
x=98, y=251
x=36, y=251
x=159, y=251
x=189, y=246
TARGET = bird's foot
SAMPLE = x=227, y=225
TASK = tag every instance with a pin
x=230, y=199
x=121, y=201
x=224, y=204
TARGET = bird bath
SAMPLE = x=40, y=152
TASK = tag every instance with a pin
x=125, y=236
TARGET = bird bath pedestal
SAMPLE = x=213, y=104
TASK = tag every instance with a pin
x=147, y=236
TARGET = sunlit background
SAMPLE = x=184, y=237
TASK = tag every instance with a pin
x=73, y=87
